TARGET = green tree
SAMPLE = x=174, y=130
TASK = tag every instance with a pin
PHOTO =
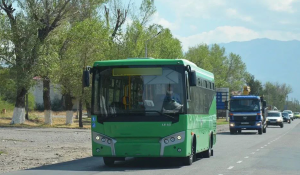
x=255, y=85
x=275, y=94
x=236, y=72
x=20, y=38
x=229, y=70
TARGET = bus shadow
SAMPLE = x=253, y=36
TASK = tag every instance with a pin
x=97, y=164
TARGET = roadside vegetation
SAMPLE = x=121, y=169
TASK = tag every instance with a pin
x=36, y=43
x=222, y=121
x=36, y=120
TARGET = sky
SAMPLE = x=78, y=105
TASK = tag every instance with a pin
x=196, y=22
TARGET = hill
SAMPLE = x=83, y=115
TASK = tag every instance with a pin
x=271, y=60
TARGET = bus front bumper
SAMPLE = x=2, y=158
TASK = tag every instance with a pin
x=165, y=147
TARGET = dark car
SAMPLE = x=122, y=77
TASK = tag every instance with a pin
x=286, y=117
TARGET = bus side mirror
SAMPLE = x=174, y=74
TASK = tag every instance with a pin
x=86, y=78
x=226, y=105
x=192, y=78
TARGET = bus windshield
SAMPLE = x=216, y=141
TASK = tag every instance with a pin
x=244, y=105
x=139, y=92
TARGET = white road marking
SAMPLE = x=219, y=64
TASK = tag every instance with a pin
x=257, y=150
x=261, y=147
x=253, y=153
x=246, y=157
x=230, y=167
x=266, y=145
x=239, y=161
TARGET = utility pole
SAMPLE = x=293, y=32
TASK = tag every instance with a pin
x=146, y=51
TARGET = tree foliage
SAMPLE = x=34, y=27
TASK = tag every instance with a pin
x=229, y=70
x=56, y=39
x=255, y=85
x=275, y=94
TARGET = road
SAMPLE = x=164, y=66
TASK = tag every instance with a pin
x=276, y=152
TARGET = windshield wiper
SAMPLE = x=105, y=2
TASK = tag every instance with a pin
x=166, y=115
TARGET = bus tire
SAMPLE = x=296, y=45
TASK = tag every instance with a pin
x=260, y=131
x=109, y=161
x=208, y=153
x=190, y=159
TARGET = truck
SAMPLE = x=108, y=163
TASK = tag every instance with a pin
x=247, y=112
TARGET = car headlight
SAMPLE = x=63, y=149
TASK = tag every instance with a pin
x=279, y=120
x=231, y=124
x=267, y=119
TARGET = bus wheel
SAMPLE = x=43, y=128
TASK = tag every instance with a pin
x=109, y=161
x=189, y=159
x=260, y=131
x=208, y=153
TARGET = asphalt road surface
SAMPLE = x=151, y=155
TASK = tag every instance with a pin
x=276, y=152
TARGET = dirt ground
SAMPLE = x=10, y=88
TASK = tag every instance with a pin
x=23, y=148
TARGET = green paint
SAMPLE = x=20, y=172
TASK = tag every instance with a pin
x=142, y=139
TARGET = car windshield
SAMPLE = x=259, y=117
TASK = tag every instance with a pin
x=273, y=114
x=247, y=105
x=285, y=114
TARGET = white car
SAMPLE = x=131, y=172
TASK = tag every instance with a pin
x=274, y=118
x=291, y=114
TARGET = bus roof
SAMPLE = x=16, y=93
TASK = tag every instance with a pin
x=152, y=61
x=245, y=97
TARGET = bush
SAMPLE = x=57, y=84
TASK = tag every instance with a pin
x=6, y=105
x=39, y=107
x=56, y=105
x=31, y=104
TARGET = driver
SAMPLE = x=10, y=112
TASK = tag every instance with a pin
x=254, y=104
x=171, y=100
x=170, y=95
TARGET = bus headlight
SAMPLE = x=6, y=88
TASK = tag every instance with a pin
x=258, y=124
x=97, y=137
x=231, y=124
x=173, y=139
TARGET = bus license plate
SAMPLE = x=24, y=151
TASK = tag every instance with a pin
x=245, y=123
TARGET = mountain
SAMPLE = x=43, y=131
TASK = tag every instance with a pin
x=270, y=60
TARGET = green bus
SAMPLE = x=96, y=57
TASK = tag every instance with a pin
x=145, y=107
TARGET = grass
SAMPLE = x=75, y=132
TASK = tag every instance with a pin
x=6, y=105
x=36, y=120
x=2, y=152
x=221, y=121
